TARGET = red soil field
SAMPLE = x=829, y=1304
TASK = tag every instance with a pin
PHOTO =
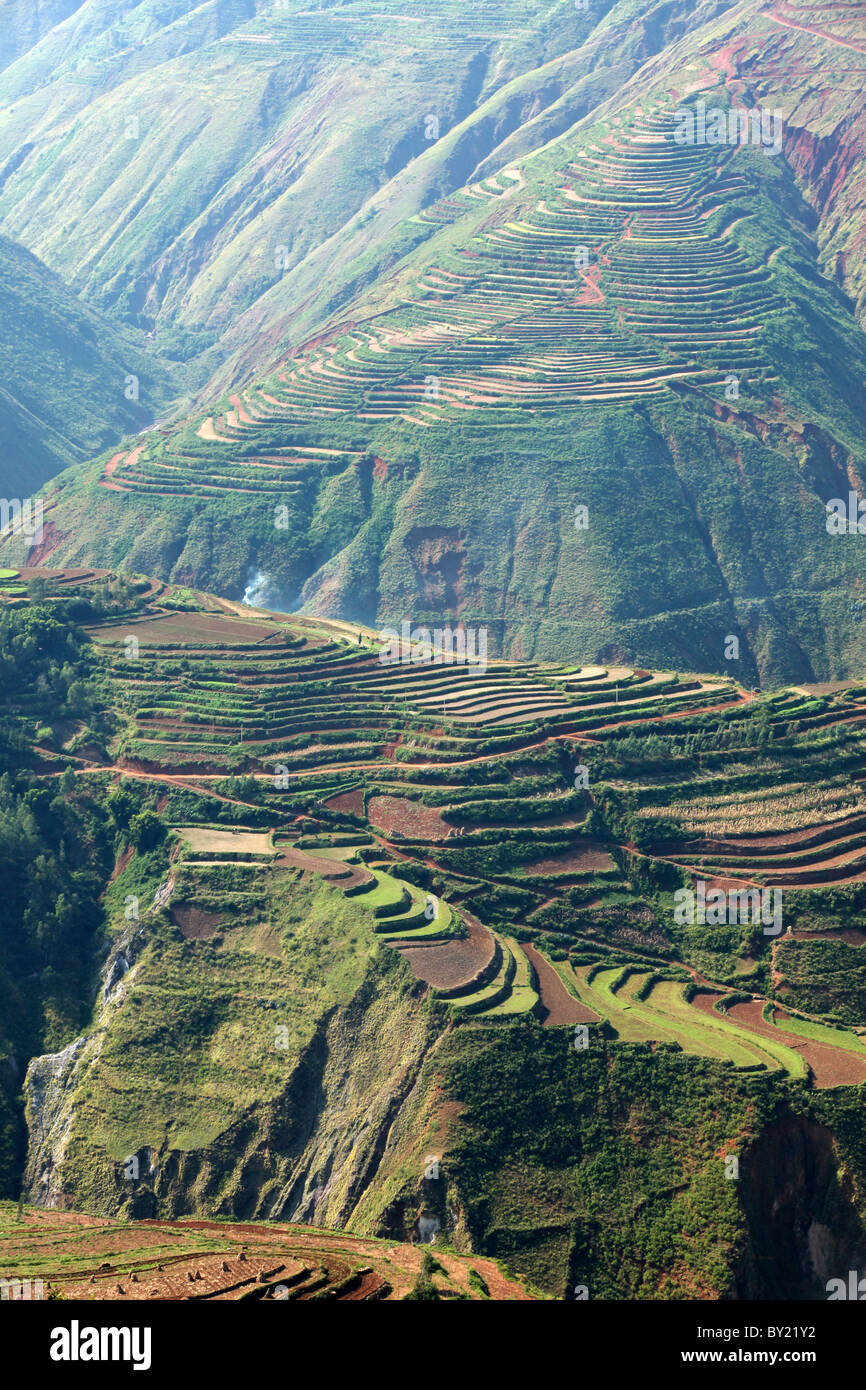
x=352, y=802
x=198, y=1276
x=195, y=923
x=561, y=1007
x=71, y=576
x=849, y=935
x=410, y=818
x=451, y=963
x=831, y=1066
x=344, y=875
x=583, y=858
x=188, y=629
x=241, y=410
x=250, y=1256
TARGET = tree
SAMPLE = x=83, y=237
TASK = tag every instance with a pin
x=146, y=830
x=77, y=697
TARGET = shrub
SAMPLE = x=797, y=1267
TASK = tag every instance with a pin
x=146, y=830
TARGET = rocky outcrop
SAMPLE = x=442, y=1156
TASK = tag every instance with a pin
x=800, y=1207
x=52, y=1079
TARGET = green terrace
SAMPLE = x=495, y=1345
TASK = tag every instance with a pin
x=262, y=699
x=513, y=319
x=516, y=832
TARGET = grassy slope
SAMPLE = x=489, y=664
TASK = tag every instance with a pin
x=729, y=511
x=603, y=1166
x=253, y=1014
x=64, y=372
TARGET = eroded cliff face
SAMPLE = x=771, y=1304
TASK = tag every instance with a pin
x=369, y=1133
x=52, y=1080
x=829, y=168
x=386, y=1117
x=801, y=1212
x=313, y=1152
x=308, y=1151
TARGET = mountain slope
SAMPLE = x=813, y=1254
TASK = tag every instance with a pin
x=23, y=24
x=663, y=333
x=66, y=374
x=236, y=139
x=624, y=323
x=759, y=49
x=417, y=985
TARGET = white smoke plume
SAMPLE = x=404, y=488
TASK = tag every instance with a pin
x=264, y=592
x=258, y=588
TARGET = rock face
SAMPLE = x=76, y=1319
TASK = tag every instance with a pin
x=49, y=1087
x=51, y=1080
x=305, y=1141
x=391, y=1121
x=308, y=1154
x=803, y=1224
x=312, y=1152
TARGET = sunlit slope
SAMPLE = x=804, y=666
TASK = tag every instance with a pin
x=234, y=140
x=642, y=332
x=370, y=957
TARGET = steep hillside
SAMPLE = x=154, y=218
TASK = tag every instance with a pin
x=67, y=376
x=603, y=417
x=234, y=140
x=799, y=59
x=597, y=399
x=23, y=24
x=371, y=956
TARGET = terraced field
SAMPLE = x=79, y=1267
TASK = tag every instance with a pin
x=336, y=945
x=665, y=1016
x=83, y=1258
x=515, y=832
x=530, y=305
x=300, y=693
x=615, y=285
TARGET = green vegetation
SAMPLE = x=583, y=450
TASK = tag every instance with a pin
x=295, y=932
x=699, y=355
x=68, y=367
x=806, y=1028
x=253, y=989
x=607, y=1166
x=824, y=977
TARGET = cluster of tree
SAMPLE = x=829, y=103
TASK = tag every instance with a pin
x=45, y=667
x=54, y=858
